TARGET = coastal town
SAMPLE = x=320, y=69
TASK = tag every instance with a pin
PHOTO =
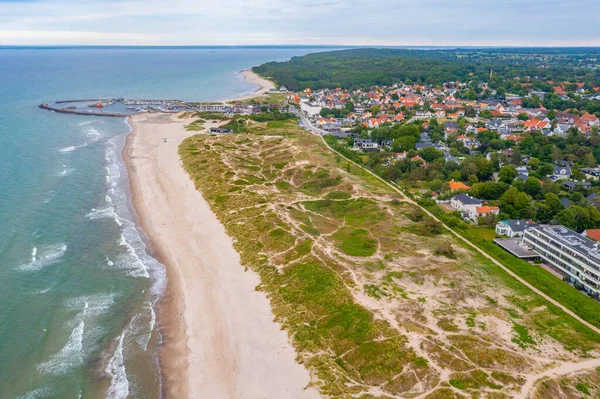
x=507, y=163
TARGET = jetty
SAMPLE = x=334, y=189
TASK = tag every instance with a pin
x=70, y=110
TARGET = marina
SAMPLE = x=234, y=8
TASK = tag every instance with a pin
x=122, y=107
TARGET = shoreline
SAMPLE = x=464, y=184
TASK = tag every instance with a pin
x=251, y=77
x=213, y=322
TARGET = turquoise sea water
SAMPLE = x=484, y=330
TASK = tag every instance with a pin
x=77, y=284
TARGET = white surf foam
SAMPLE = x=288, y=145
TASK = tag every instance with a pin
x=71, y=148
x=42, y=392
x=103, y=213
x=65, y=171
x=93, y=134
x=93, y=305
x=119, y=384
x=49, y=256
x=67, y=149
x=69, y=357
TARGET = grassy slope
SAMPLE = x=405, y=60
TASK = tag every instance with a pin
x=286, y=202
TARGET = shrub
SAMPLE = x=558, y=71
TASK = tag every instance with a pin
x=445, y=249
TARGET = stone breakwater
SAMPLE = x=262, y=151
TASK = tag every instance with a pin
x=83, y=112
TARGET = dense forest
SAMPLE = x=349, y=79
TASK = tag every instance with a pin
x=363, y=68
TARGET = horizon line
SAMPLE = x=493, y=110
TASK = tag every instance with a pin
x=191, y=46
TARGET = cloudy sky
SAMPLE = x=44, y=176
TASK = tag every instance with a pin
x=343, y=22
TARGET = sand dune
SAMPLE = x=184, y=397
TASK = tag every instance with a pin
x=220, y=337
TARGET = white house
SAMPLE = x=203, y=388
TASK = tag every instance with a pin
x=577, y=257
x=483, y=210
x=513, y=227
x=310, y=109
x=464, y=203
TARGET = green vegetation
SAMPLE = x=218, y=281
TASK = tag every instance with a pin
x=195, y=126
x=333, y=245
x=363, y=68
x=267, y=99
x=355, y=242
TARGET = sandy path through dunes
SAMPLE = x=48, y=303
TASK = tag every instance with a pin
x=221, y=340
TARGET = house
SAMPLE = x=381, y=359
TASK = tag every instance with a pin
x=494, y=124
x=310, y=109
x=594, y=199
x=566, y=202
x=576, y=257
x=572, y=185
x=366, y=144
x=535, y=124
x=400, y=155
x=417, y=158
x=483, y=210
x=513, y=227
x=450, y=127
x=591, y=173
x=561, y=172
x=464, y=203
x=457, y=185
x=421, y=145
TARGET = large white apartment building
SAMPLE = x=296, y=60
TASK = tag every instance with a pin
x=577, y=257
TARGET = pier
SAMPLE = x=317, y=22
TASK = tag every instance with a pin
x=83, y=112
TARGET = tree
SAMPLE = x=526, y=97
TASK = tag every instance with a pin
x=489, y=190
x=533, y=187
x=515, y=203
x=375, y=109
x=551, y=115
x=523, y=116
x=404, y=143
x=480, y=167
x=470, y=95
x=436, y=185
x=557, y=154
x=507, y=174
x=579, y=218
x=430, y=154
x=545, y=169
x=547, y=210
x=516, y=158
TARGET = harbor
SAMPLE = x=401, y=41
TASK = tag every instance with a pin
x=122, y=107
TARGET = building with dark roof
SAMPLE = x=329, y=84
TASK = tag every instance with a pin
x=575, y=256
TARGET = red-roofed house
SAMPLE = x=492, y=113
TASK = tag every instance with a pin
x=483, y=211
x=535, y=124
x=457, y=185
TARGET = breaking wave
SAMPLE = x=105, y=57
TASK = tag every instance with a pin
x=119, y=384
x=69, y=357
x=49, y=256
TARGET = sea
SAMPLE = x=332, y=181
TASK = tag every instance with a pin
x=78, y=282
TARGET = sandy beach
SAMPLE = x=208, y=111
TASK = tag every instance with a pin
x=263, y=84
x=220, y=337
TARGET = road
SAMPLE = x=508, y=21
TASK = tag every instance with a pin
x=320, y=132
x=532, y=381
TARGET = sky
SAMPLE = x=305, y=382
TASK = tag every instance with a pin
x=296, y=22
